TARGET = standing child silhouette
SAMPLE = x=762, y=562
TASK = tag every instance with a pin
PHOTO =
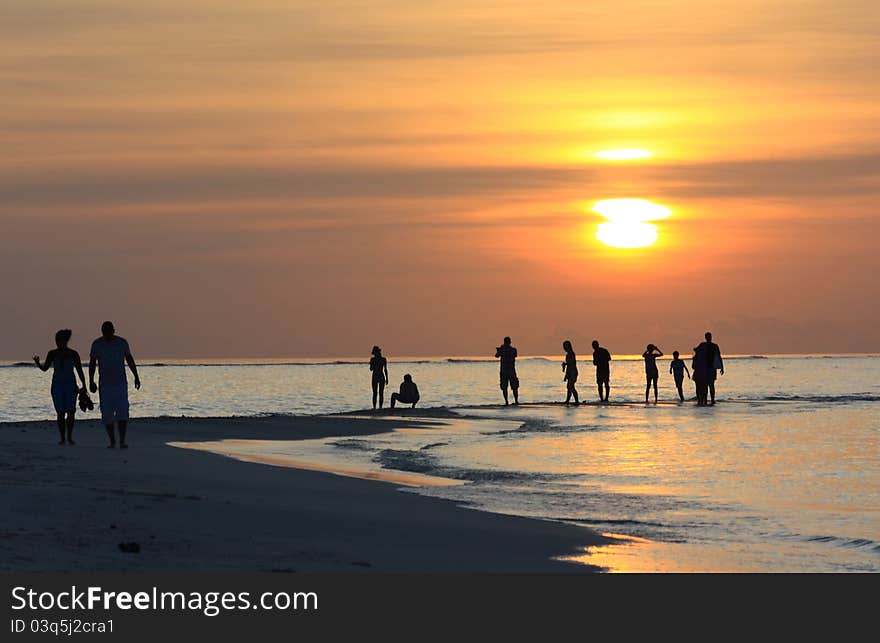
x=678, y=368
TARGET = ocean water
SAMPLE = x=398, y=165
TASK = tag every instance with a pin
x=782, y=475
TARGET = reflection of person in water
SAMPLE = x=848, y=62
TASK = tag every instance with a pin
x=409, y=392
x=570, y=368
x=379, y=367
x=64, y=361
x=507, y=353
x=651, y=373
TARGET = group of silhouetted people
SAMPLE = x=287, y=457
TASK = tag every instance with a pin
x=601, y=359
x=408, y=393
x=602, y=362
x=109, y=355
x=706, y=363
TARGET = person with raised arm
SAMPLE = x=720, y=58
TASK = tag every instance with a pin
x=63, y=361
x=507, y=354
x=652, y=374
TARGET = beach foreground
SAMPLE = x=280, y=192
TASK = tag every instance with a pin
x=68, y=508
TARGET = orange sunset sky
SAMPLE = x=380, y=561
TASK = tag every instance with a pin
x=285, y=178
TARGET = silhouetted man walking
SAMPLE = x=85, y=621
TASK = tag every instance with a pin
x=111, y=353
x=507, y=353
x=602, y=360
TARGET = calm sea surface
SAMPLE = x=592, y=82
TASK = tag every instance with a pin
x=782, y=475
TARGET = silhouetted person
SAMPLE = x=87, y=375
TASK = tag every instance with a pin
x=701, y=373
x=409, y=392
x=602, y=360
x=111, y=353
x=678, y=368
x=712, y=355
x=570, y=368
x=507, y=353
x=651, y=373
x=379, y=367
x=64, y=361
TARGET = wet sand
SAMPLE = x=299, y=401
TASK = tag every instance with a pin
x=67, y=508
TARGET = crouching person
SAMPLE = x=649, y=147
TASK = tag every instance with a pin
x=409, y=392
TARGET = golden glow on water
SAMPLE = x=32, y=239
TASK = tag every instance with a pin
x=632, y=154
x=634, y=555
x=734, y=488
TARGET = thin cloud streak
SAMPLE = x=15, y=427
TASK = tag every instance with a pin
x=785, y=178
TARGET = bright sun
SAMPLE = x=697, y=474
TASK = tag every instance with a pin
x=627, y=235
x=626, y=226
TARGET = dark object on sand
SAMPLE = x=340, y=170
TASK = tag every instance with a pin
x=85, y=402
x=130, y=548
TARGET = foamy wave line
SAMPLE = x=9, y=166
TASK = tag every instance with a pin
x=421, y=462
x=839, y=541
x=820, y=399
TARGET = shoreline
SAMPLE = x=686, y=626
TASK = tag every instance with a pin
x=191, y=510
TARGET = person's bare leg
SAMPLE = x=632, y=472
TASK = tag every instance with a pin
x=655, y=390
x=71, y=418
x=601, y=399
x=712, y=391
x=123, y=424
x=60, y=420
x=381, y=394
x=575, y=393
x=375, y=393
x=504, y=393
x=647, y=390
x=111, y=435
x=515, y=395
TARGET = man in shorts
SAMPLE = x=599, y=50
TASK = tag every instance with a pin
x=507, y=353
x=602, y=361
x=111, y=353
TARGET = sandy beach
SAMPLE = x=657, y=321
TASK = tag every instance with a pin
x=68, y=508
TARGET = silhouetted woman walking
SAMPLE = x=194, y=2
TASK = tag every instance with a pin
x=651, y=372
x=570, y=368
x=63, y=360
x=379, y=367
